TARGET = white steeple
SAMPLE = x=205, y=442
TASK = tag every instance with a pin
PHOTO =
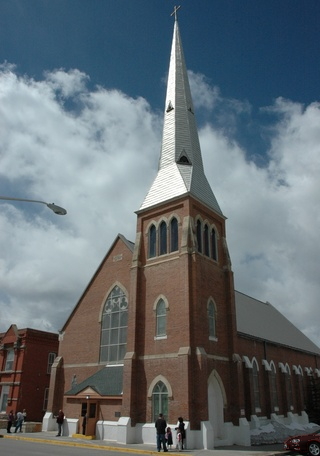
x=180, y=167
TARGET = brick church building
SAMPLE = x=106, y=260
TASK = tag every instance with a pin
x=160, y=327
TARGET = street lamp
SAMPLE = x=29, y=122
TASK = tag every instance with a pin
x=56, y=209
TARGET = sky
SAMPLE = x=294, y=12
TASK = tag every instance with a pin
x=82, y=92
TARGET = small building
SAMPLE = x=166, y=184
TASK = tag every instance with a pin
x=26, y=357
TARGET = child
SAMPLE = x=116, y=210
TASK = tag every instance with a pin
x=169, y=437
x=179, y=440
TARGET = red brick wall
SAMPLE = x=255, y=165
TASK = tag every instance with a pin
x=187, y=280
x=80, y=342
x=29, y=377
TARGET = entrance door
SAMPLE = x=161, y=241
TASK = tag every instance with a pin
x=215, y=406
x=89, y=418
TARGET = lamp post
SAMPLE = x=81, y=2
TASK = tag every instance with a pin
x=56, y=209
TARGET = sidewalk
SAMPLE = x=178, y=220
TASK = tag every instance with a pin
x=50, y=438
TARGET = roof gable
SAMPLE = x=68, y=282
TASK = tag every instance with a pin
x=119, y=238
x=106, y=382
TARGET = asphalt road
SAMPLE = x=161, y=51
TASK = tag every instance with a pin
x=47, y=444
x=24, y=448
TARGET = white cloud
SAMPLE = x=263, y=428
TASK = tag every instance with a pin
x=92, y=161
x=96, y=153
x=274, y=213
x=203, y=94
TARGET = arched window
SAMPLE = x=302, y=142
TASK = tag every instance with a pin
x=273, y=387
x=163, y=238
x=289, y=387
x=174, y=235
x=206, y=240
x=301, y=394
x=152, y=241
x=114, y=327
x=159, y=400
x=214, y=254
x=199, y=236
x=256, y=389
x=9, y=359
x=212, y=319
x=161, y=318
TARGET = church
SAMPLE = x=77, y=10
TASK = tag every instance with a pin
x=160, y=327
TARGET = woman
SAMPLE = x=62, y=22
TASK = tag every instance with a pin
x=181, y=429
x=10, y=421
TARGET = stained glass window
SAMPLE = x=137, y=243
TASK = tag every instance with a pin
x=114, y=327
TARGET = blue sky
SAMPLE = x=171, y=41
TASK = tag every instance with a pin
x=251, y=50
x=255, y=51
x=82, y=89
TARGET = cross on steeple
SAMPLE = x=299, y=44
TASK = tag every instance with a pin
x=175, y=12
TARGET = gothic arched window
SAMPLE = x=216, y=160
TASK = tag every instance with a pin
x=152, y=241
x=114, y=327
x=212, y=319
x=199, y=235
x=273, y=387
x=174, y=235
x=159, y=400
x=214, y=254
x=206, y=240
x=161, y=318
x=255, y=382
x=289, y=387
x=163, y=238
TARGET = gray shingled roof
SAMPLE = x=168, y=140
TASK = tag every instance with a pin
x=106, y=382
x=263, y=321
x=180, y=167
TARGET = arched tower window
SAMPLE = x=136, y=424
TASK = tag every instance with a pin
x=161, y=318
x=114, y=327
x=152, y=241
x=212, y=319
x=159, y=400
x=214, y=254
x=163, y=238
x=174, y=235
x=199, y=235
x=256, y=389
x=206, y=240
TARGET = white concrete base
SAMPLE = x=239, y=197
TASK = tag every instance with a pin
x=122, y=432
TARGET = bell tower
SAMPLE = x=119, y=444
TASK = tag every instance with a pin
x=182, y=323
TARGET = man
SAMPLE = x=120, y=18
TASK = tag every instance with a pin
x=60, y=419
x=161, y=426
x=20, y=419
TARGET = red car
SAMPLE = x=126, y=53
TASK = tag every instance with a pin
x=308, y=443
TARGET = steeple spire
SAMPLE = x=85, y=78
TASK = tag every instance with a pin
x=180, y=166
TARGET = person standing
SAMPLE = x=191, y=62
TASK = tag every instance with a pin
x=84, y=424
x=161, y=425
x=181, y=428
x=60, y=419
x=10, y=421
x=19, y=422
x=169, y=438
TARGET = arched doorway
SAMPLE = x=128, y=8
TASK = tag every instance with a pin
x=216, y=404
